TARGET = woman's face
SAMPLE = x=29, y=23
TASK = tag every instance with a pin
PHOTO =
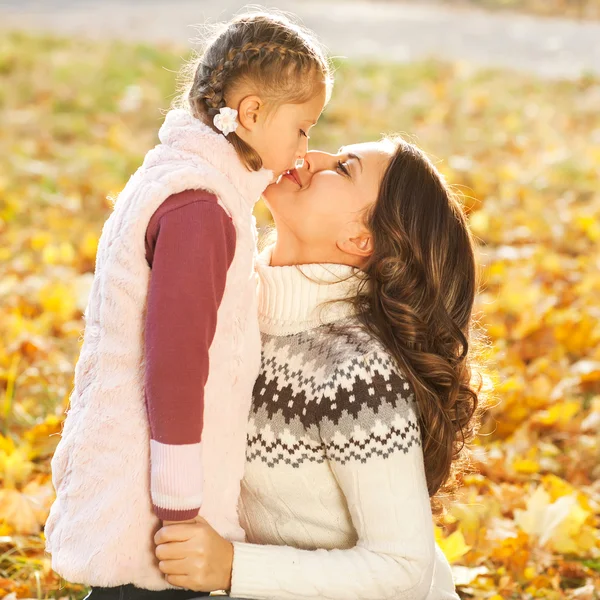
x=319, y=209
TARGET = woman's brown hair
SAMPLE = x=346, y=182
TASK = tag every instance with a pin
x=269, y=55
x=418, y=300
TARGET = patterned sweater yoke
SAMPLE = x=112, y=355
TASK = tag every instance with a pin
x=334, y=498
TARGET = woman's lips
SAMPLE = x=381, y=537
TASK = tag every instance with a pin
x=293, y=176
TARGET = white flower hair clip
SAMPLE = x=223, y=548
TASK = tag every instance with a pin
x=226, y=120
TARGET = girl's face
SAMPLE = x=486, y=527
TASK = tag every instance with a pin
x=280, y=136
x=319, y=209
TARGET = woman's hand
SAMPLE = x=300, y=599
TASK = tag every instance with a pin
x=194, y=556
x=165, y=523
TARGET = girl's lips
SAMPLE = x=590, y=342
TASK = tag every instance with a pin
x=293, y=176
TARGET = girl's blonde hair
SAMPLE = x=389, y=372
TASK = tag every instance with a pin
x=266, y=52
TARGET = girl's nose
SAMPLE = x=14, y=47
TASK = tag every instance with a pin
x=318, y=161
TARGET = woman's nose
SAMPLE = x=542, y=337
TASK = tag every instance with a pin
x=319, y=161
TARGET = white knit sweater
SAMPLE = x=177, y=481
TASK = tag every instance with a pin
x=101, y=527
x=334, y=498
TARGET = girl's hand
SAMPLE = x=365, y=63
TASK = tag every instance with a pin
x=194, y=556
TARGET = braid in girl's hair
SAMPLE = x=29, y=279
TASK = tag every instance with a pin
x=211, y=82
x=282, y=61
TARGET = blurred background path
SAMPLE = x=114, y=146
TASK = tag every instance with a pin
x=395, y=31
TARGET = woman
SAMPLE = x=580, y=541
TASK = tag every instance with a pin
x=364, y=400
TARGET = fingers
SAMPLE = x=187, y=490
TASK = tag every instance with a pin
x=173, y=533
x=172, y=551
x=177, y=580
x=174, y=567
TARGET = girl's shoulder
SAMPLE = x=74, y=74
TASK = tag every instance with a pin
x=194, y=200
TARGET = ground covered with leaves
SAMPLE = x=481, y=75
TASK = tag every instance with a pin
x=77, y=119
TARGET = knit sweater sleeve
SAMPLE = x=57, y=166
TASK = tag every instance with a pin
x=190, y=243
x=371, y=435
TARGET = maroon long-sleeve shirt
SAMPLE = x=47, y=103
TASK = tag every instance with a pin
x=190, y=244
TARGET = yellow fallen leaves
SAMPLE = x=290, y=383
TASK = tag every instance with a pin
x=525, y=155
x=24, y=510
x=504, y=546
x=453, y=546
x=17, y=513
x=15, y=465
x=58, y=298
x=559, y=414
x=42, y=438
x=560, y=524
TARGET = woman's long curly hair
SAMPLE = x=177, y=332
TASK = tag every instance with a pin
x=418, y=300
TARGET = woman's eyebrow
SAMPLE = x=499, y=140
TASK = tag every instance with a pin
x=358, y=158
x=352, y=155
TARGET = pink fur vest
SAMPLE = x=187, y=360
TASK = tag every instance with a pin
x=101, y=526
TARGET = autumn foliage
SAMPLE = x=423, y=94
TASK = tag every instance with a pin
x=525, y=154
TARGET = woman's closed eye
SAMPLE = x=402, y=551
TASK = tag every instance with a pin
x=343, y=167
x=302, y=132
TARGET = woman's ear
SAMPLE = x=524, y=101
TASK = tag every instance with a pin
x=248, y=110
x=360, y=244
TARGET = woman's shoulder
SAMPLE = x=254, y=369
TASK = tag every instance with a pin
x=338, y=369
x=349, y=343
x=339, y=380
x=357, y=369
x=372, y=410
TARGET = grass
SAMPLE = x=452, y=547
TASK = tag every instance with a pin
x=78, y=118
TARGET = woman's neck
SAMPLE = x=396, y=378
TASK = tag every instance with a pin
x=287, y=252
x=295, y=298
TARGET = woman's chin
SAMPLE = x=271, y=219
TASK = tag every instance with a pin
x=277, y=192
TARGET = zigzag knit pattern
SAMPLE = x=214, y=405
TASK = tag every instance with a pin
x=329, y=393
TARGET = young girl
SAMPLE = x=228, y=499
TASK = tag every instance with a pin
x=163, y=385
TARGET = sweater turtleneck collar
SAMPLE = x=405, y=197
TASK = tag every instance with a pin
x=183, y=132
x=297, y=298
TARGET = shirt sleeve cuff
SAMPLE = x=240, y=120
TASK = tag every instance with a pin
x=176, y=480
x=168, y=514
x=250, y=562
